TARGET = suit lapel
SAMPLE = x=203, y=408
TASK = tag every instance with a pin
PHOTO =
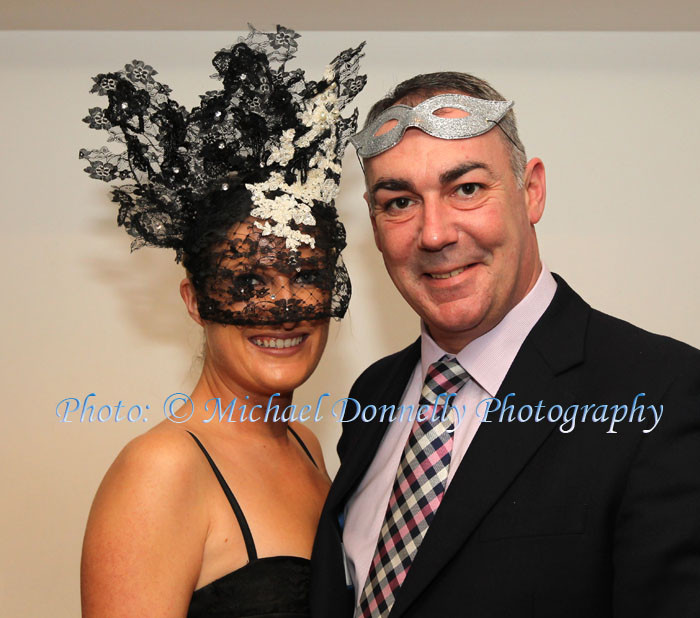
x=369, y=435
x=364, y=439
x=500, y=451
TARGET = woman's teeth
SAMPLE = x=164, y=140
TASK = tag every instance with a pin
x=274, y=342
x=452, y=273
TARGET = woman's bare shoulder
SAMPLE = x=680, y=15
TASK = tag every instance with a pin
x=148, y=517
x=309, y=438
x=160, y=461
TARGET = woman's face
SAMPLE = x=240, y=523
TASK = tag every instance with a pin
x=279, y=292
x=264, y=360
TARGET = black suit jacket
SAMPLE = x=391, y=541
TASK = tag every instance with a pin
x=537, y=522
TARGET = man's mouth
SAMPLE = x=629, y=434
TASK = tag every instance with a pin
x=264, y=341
x=452, y=273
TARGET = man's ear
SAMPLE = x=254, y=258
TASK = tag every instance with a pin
x=535, y=187
x=377, y=242
x=190, y=297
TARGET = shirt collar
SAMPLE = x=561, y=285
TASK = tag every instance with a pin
x=489, y=357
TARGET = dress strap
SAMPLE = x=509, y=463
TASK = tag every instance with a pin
x=300, y=441
x=245, y=530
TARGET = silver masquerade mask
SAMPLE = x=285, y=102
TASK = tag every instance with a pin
x=483, y=116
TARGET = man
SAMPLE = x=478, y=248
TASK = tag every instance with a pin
x=508, y=500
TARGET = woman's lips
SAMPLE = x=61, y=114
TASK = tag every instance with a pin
x=277, y=342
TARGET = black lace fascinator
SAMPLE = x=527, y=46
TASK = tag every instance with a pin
x=242, y=186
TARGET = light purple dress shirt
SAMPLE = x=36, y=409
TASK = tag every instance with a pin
x=487, y=359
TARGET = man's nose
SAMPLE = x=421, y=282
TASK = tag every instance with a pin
x=437, y=229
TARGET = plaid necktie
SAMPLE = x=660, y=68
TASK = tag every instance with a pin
x=418, y=489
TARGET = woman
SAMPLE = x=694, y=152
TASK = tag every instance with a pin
x=216, y=515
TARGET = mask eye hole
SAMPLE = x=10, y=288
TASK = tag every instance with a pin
x=386, y=127
x=451, y=112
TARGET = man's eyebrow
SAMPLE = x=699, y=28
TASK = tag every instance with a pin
x=453, y=174
x=391, y=184
x=401, y=184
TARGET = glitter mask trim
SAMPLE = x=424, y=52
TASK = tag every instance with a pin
x=483, y=116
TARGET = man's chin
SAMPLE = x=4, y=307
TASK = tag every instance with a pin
x=454, y=321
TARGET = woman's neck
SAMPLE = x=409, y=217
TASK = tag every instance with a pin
x=225, y=406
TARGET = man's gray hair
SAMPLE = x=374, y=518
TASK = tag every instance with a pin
x=416, y=89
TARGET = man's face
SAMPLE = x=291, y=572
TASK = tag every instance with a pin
x=455, y=230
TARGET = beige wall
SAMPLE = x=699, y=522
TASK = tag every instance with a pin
x=614, y=116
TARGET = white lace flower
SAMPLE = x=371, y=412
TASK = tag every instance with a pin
x=283, y=209
x=325, y=157
x=321, y=111
x=329, y=74
x=283, y=152
x=293, y=202
x=329, y=190
x=293, y=238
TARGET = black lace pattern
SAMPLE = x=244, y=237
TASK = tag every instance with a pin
x=242, y=186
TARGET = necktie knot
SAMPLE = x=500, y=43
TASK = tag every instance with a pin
x=444, y=377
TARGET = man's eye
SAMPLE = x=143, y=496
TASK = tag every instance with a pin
x=468, y=189
x=398, y=203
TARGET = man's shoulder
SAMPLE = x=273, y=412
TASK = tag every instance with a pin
x=611, y=336
x=570, y=323
x=383, y=381
x=388, y=365
x=384, y=364
x=607, y=356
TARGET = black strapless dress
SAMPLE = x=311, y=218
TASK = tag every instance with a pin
x=273, y=587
